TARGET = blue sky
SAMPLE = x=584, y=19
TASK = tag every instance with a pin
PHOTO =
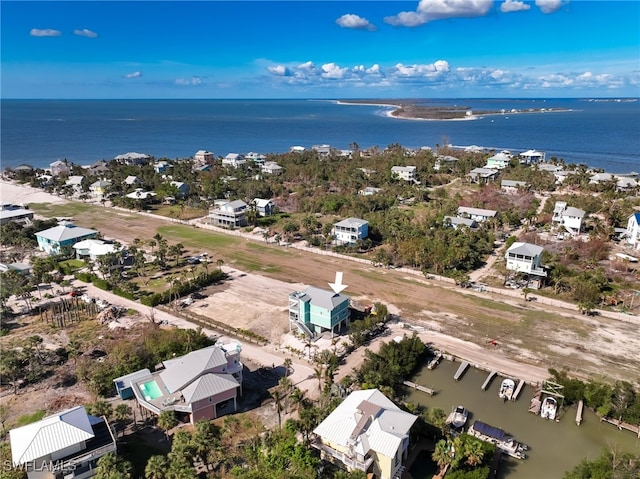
x=323, y=49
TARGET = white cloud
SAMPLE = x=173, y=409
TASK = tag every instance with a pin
x=430, y=10
x=513, y=6
x=438, y=68
x=188, y=81
x=331, y=70
x=46, y=32
x=85, y=33
x=549, y=6
x=279, y=70
x=356, y=22
x=133, y=75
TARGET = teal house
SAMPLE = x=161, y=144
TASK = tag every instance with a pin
x=65, y=234
x=316, y=310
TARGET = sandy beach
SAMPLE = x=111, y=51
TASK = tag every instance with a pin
x=24, y=194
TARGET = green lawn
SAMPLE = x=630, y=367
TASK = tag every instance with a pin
x=65, y=210
x=198, y=238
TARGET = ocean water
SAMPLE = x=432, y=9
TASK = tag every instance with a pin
x=601, y=134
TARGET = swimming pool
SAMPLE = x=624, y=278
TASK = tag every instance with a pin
x=150, y=390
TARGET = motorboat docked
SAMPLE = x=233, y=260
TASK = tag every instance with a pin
x=506, y=444
x=507, y=388
x=549, y=408
x=458, y=417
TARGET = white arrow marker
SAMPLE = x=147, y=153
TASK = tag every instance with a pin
x=337, y=287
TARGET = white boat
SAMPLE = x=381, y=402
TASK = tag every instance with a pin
x=549, y=408
x=507, y=388
x=506, y=444
x=458, y=417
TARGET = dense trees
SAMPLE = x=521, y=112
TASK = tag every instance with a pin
x=610, y=465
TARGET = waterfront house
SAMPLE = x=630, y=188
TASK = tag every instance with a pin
x=161, y=166
x=456, y=222
x=99, y=188
x=499, y=161
x=52, y=240
x=264, y=207
x=633, y=230
x=366, y=432
x=349, y=231
x=229, y=214
x=315, y=310
x=297, y=149
x=64, y=445
x=199, y=385
x=98, y=168
x=625, y=183
x=526, y=258
x=17, y=214
x=322, y=150
x=477, y=214
x=59, y=168
x=234, y=160
x=532, y=157
x=482, y=175
x=271, y=168
x=406, y=173
x=568, y=216
x=512, y=186
x=133, y=158
x=258, y=158
x=203, y=156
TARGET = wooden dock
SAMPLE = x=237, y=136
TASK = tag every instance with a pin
x=434, y=362
x=579, y=412
x=622, y=425
x=487, y=381
x=463, y=367
x=518, y=390
x=424, y=389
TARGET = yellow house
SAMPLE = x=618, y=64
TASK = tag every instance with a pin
x=367, y=432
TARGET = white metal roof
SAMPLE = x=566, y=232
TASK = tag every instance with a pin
x=51, y=434
x=65, y=232
x=477, y=211
x=526, y=249
x=352, y=223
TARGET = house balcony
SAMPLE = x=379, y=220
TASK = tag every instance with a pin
x=538, y=272
x=350, y=462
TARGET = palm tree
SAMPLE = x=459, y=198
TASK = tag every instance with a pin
x=121, y=414
x=167, y=420
x=287, y=366
x=317, y=372
x=474, y=452
x=156, y=467
x=442, y=454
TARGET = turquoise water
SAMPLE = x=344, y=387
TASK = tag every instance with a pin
x=151, y=390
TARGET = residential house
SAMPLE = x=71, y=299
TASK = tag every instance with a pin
x=369, y=190
x=568, y=216
x=366, y=432
x=22, y=268
x=67, y=444
x=272, y=168
x=478, y=214
x=98, y=168
x=532, y=157
x=132, y=180
x=315, y=310
x=322, y=150
x=199, y=385
x=52, y=240
x=124, y=384
x=99, y=188
x=367, y=172
x=183, y=189
x=445, y=162
x=525, y=258
x=264, y=207
x=499, y=161
x=95, y=248
x=297, y=149
x=406, y=173
x=203, y=156
x=344, y=153
x=482, y=175
x=633, y=230
x=234, y=160
x=161, y=166
x=75, y=182
x=15, y=213
x=349, y=231
x=257, y=158
x=142, y=196
x=229, y=214
x=550, y=167
x=456, y=222
x=59, y=168
x=512, y=186
x=599, y=178
x=133, y=158
x=625, y=183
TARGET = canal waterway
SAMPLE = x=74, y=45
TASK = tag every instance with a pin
x=554, y=447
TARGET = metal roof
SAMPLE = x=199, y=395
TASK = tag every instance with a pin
x=65, y=232
x=325, y=299
x=208, y=385
x=51, y=434
x=183, y=370
x=352, y=223
x=127, y=380
x=526, y=249
x=477, y=211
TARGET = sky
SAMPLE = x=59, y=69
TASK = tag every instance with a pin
x=320, y=49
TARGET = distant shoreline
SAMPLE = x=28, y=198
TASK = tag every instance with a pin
x=406, y=110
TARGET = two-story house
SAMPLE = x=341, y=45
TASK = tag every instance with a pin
x=229, y=214
x=59, y=168
x=499, y=161
x=264, y=207
x=64, y=445
x=64, y=234
x=531, y=157
x=317, y=310
x=477, y=214
x=526, y=258
x=483, y=175
x=198, y=385
x=271, y=168
x=568, y=216
x=203, y=156
x=349, y=231
x=133, y=158
x=234, y=160
x=406, y=173
x=633, y=230
x=366, y=432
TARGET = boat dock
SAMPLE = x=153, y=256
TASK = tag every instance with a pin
x=487, y=381
x=579, y=412
x=424, y=389
x=434, y=362
x=622, y=425
x=463, y=367
x=518, y=390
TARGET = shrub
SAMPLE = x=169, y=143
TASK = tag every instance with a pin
x=123, y=293
x=101, y=283
x=85, y=277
